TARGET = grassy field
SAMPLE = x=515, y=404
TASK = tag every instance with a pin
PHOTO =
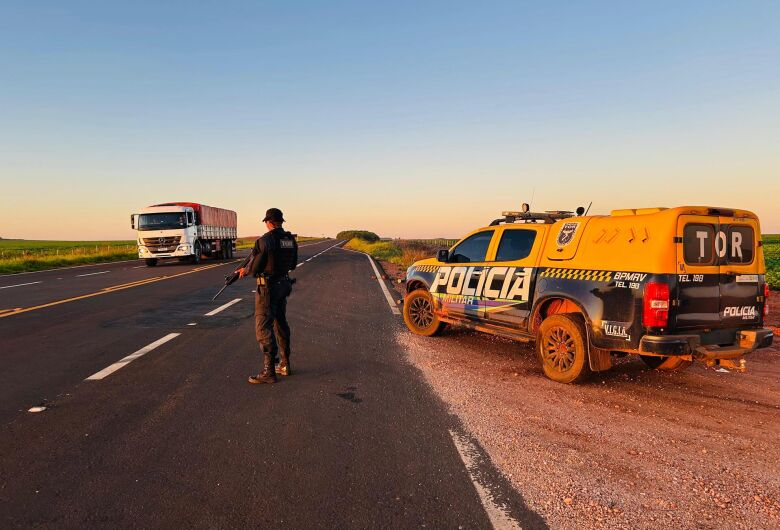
x=399, y=251
x=248, y=242
x=19, y=255
x=772, y=258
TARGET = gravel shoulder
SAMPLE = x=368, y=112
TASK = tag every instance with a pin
x=630, y=448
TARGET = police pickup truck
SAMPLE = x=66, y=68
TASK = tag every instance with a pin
x=672, y=285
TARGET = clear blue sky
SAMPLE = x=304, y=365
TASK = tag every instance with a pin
x=409, y=118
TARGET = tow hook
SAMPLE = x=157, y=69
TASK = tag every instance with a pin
x=730, y=364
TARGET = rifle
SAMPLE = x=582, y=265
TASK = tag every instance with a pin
x=230, y=279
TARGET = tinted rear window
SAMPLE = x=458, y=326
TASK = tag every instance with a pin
x=699, y=244
x=702, y=245
x=515, y=245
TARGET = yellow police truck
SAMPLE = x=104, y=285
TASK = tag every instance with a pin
x=672, y=285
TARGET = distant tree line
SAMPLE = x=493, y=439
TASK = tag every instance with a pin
x=365, y=235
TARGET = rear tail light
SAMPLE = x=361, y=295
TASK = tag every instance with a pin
x=656, y=305
x=766, y=300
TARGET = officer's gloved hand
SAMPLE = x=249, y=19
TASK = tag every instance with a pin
x=241, y=272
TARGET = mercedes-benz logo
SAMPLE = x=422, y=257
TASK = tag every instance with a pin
x=162, y=240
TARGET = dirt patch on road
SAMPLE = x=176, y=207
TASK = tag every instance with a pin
x=631, y=448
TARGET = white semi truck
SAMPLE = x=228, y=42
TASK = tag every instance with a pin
x=184, y=230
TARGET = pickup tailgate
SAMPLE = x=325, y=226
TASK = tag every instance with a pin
x=719, y=272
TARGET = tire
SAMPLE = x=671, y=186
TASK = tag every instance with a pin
x=667, y=364
x=196, y=252
x=562, y=349
x=151, y=262
x=419, y=316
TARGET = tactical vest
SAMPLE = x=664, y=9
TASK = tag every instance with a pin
x=282, y=254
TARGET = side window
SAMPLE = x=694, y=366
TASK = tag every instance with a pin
x=741, y=242
x=515, y=244
x=472, y=249
x=699, y=244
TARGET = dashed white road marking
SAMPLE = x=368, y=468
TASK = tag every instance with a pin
x=386, y=292
x=19, y=285
x=499, y=518
x=139, y=267
x=222, y=307
x=192, y=324
x=92, y=274
x=130, y=358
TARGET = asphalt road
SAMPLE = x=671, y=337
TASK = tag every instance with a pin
x=176, y=437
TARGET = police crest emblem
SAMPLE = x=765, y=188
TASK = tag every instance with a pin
x=566, y=235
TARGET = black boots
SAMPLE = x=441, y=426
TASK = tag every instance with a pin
x=267, y=375
x=283, y=368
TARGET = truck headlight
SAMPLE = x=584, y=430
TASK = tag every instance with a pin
x=183, y=248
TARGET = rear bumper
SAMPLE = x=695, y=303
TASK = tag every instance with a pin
x=669, y=345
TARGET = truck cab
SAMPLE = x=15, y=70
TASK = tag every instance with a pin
x=184, y=231
x=673, y=286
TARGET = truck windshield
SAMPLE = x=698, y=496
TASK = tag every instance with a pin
x=161, y=221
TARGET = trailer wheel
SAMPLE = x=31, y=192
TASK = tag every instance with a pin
x=151, y=262
x=419, y=315
x=667, y=364
x=562, y=349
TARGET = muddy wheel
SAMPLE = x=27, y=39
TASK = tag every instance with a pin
x=667, y=364
x=562, y=349
x=419, y=316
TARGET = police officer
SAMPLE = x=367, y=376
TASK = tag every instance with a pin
x=275, y=254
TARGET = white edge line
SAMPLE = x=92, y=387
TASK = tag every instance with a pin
x=91, y=274
x=498, y=516
x=386, y=292
x=19, y=285
x=130, y=358
x=222, y=307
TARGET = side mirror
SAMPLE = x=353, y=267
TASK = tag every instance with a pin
x=132, y=221
x=443, y=255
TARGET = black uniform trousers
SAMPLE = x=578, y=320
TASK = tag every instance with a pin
x=271, y=328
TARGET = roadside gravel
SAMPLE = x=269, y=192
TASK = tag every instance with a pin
x=631, y=448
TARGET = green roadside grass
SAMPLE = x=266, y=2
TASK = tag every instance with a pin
x=772, y=258
x=381, y=250
x=27, y=255
x=40, y=263
x=399, y=252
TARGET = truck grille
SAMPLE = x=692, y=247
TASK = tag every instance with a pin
x=162, y=244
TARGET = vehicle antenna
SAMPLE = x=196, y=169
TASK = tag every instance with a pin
x=531, y=202
x=589, y=205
